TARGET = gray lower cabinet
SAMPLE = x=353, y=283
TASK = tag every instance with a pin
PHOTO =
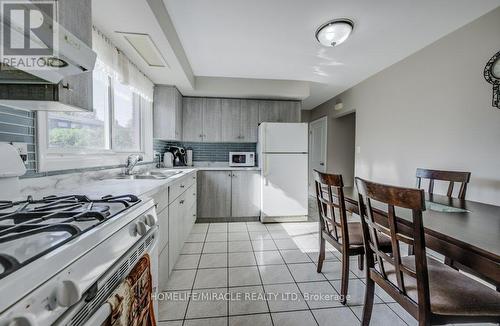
x=167, y=122
x=163, y=225
x=245, y=193
x=176, y=217
x=228, y=194
x=192, y=120
x=164, y=269
x=214, y=194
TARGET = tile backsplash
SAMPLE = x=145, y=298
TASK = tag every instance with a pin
x=19, y=126
x=207, y=152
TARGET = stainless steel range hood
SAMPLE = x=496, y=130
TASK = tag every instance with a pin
x=65, y=81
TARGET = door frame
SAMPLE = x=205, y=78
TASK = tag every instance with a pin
x=323, y=120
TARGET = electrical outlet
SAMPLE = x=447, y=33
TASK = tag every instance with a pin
x=22, y=148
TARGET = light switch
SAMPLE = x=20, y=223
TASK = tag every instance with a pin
x=358, y=149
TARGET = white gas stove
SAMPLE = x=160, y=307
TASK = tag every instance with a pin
x=61, y=257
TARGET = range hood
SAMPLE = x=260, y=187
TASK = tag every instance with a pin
x=64, y=83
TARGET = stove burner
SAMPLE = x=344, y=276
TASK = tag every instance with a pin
x=57, y=219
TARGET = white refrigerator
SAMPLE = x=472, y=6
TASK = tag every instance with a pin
x=283, y=158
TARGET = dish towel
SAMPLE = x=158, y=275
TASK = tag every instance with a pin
x=131, y=302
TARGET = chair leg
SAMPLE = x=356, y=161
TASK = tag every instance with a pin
x=345, y=278
x=368, y=306
x=448, y=261
x=321, y=257
x=361, y=262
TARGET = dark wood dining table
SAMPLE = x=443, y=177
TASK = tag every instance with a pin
x=469, y=233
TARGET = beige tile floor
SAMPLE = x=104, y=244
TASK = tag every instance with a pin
x=256, y=274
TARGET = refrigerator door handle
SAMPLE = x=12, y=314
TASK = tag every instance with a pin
x=266, y=168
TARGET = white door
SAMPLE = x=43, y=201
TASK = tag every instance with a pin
x=283, y=137
x=318, y=136
x=284, y=185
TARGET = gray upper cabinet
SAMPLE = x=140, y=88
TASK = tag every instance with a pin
x=269, y=111
x=279, y=111
x=245, y=194
x=214, y=194
x=212, y=120
x=192, y=120
x=289, y=111
x=76, y=17
x=167, y=113
x=231, y=120
x=249, y=121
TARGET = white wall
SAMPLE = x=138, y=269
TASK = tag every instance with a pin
x=432, y=110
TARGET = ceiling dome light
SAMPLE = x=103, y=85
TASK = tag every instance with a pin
x=334, y=32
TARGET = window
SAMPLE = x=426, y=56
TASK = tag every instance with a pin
x=83, y=131
x=126, y=119
x=77, y=131
x=120, y=124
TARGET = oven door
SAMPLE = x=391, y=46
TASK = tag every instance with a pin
x=94, y=310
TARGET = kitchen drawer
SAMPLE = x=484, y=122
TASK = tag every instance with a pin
x=181, y=186
x=163, y=225
x=164, y=269
x=161, y=199
x=191, y=195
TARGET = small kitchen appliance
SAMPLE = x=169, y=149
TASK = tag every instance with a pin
x=241, y=159
x=179, y=154
x=189, y=157
x=283, y=157
x=168, y=160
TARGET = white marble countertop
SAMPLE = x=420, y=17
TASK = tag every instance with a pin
x=138, y=187
x=102, y=183
x=226, y=168
x=95, y=186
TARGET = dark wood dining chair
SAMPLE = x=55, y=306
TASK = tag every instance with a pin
x=344, y=236
x=448, y=176
x=432, y=292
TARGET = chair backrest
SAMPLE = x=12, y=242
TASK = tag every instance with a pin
x=452, y=176
x=382, y=221
x=330, y=196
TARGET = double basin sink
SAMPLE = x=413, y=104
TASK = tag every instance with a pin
x=150, y=175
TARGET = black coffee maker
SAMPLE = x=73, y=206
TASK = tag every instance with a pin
x=179, y=153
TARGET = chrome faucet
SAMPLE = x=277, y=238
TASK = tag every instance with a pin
x=132, y=161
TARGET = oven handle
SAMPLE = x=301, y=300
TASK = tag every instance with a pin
x=103, y=313
x=75, y=308
x=100, y=316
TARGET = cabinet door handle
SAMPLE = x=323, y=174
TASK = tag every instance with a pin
x=181, y=202
x=182, y=186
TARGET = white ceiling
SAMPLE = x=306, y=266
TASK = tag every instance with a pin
x=274, y=39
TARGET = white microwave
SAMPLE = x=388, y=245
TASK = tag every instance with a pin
x=241, y=159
